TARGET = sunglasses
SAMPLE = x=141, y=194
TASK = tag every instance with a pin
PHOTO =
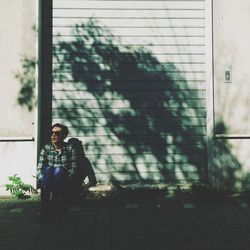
x=57, y=133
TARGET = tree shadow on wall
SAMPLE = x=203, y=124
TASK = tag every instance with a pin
x=26, y=77
x=141, y=119
x=226, y=169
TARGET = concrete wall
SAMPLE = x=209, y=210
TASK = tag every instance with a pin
x=17, y=123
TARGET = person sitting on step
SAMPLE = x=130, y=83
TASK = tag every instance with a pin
x=57, y=163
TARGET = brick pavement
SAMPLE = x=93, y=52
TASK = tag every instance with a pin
x=106, y=225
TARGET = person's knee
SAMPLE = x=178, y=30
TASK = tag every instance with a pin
x=47, y=176
x=59, y=171
x=60, y=177
x=47, y=170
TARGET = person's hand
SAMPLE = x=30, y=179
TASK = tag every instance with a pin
x=38, y=183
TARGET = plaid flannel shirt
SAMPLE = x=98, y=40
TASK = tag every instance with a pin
x=50, y=157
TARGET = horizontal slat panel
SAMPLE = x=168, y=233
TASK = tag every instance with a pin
x=171, y=142
x=191, y=118
x=107, y=69
x=157, y=50
x=92, y=117
x=173, y=159
x=164, y=79
x=128, y=105
x=180, y=64
x=91, y=146
x=124, y=154
x=197, y=77
x=160, y=22
x=172, y=169
x=130, y=4
x=148, y=166
x=85, y=121
x=107, y=136
x=153, y=179
x=145, y=31
x=78, y=83
x=135, y=122
x=134, y=93
x=152, y=164
x=132, y=13
x=101, y=132
x=162, y=58
x=144, y=41
x=174, y=106
x=132, y=177
x=64, y=86
x=180, y=67
x=195, y=130
x=188, y=108
x=142, y=131
x=174, y=139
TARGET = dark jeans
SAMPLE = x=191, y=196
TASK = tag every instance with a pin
x=75, y=188
x=53, y=186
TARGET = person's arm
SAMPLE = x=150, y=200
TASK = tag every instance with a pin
x=41, y=163
x=72, y=161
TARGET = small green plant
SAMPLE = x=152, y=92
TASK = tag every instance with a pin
x=18, y=188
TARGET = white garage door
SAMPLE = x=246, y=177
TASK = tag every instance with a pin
x=129, y=81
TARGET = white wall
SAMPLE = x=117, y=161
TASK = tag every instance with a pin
x=17, y=124
x=231, y=31
x=17, y=158
x=232, y=47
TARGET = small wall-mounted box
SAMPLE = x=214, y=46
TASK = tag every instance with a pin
x=228, y=74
